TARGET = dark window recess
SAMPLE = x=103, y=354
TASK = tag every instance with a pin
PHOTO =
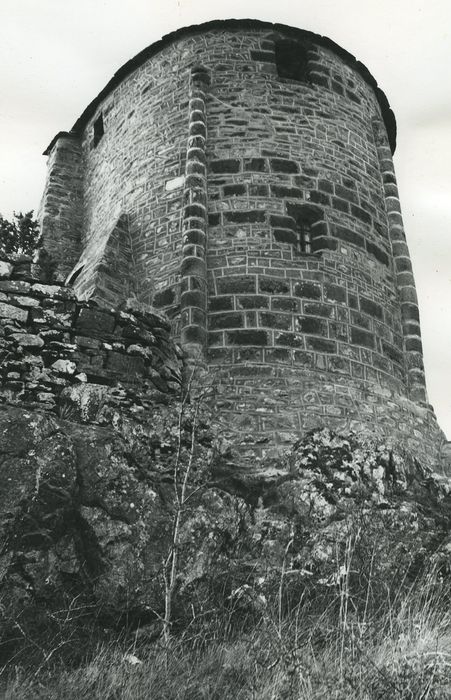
x=304, y=231
x=292, y=60
x=73, y=276
x=99, y=130
x=306, y=218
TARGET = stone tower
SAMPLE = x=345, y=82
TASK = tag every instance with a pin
x=238, y=176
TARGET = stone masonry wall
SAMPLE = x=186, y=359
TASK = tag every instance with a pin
x=276, y=145
x=61, y=210
x=76, y=359
x=273, y=145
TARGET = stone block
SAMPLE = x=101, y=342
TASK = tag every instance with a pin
x=277, y=221
x=236, y=284
x=335, y=292
x=321, y=345
x=226, y=165
x=194, y=298
x=394, y=354
x=312, y=325
x=307, y=290
x=94, y=323
x=252, y=302
x=339, y=365
x=15, y=286
x=28, y=340
x=6, y=269
x=245, y=217
x=361, y=337
x=378, y=253
x=266, y=56
x=234, y=190
x=255, y=165
x=282, y=235
x=348, y=235
x=127, y=366
x=273, y=286
x=272, y=320
x=221, y=303
x=226, y=320
x=276, y=355
x=285, y=191
x=346, y=194
x=292, y=340
x=284, y=304
x=64, y=366
x=13, y=313
x=247, y=337
x=320, y=198
x=359, y=319
x=361, y=214
x=323, y=243
x=371, y=308
x=282, y=165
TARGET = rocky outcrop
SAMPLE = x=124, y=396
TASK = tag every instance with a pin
x=87, y=511
x=87, y=514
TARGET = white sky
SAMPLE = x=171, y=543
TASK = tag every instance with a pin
x=56, y=56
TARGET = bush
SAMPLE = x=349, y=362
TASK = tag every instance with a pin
x=20, y=235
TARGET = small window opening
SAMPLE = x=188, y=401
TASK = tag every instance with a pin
x=306, y=218
x=99, y=130
x=291, y=60
x=304, y=229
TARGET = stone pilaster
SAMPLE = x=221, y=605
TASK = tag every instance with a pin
x=60, y=212
x=194, y=222
x=405, y=282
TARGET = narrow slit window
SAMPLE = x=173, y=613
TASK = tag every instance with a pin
x=74, y=275
x=304, y=237
x=291, y=60
x=99, y=130
x=307, y=222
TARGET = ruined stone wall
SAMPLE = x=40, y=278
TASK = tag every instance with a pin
x=78, y=360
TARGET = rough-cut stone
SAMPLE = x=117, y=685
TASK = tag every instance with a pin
x=6, y=269
x=13, y=312
x=28, y=340
x=64, y=366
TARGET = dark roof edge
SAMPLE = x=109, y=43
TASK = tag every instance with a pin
x=61, y=134
x=149, y=51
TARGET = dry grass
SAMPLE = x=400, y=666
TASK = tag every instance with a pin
x=330, y=654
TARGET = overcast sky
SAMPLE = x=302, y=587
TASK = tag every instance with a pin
x=56, y=56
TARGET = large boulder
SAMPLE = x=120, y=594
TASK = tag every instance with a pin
x=87, y=513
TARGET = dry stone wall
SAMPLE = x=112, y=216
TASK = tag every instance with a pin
x=76, y=359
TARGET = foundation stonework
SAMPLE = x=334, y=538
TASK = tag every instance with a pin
x=238, y=177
